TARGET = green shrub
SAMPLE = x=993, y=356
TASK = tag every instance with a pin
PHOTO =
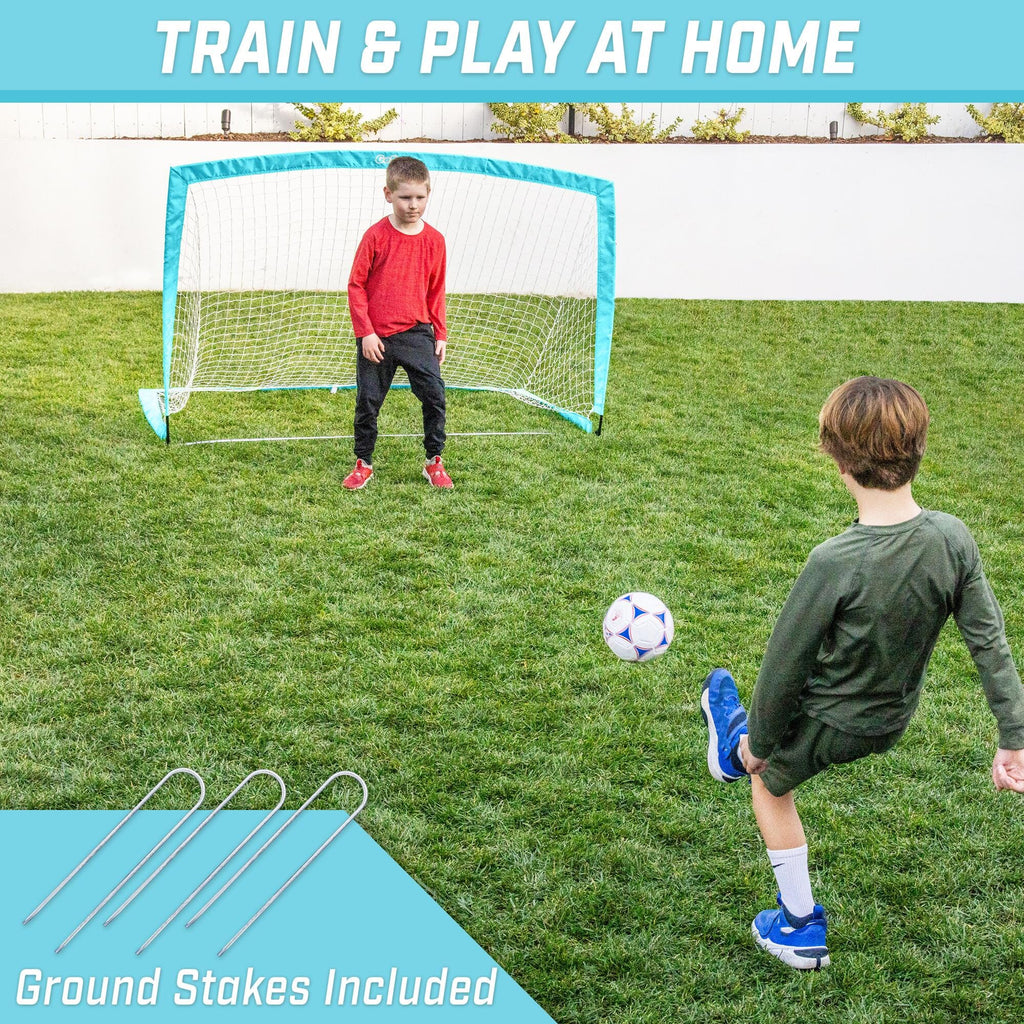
x=721, y=127
x=908, y=122
x=624, y=127
x=330, y=122
x=530, y=122
x=1004, y=121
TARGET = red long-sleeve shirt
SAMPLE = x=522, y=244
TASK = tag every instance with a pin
x=397, y=281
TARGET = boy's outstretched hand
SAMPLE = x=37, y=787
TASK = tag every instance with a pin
x=1008, y=770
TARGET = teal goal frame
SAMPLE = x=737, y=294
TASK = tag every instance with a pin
x=182, y=177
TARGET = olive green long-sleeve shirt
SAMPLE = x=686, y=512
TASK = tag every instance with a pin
x=853, y=640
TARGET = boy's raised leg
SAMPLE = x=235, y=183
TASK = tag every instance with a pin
x=726, y=719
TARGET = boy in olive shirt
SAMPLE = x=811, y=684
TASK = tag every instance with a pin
x=846, y=661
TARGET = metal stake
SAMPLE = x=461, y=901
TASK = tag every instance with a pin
x=206, y=881
x=323, y=846
x=110, y=835
x=139, y=866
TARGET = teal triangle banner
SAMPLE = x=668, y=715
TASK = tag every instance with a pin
x=354, y=938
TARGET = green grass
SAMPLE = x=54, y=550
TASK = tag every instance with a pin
x=229, y=607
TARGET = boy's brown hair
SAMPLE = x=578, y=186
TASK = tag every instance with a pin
x=406, y=168
x=875, y=429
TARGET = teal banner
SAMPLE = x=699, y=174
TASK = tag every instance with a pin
x=433, y=50
x=354, y=938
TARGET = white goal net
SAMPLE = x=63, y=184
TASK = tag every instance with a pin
x=259, y=253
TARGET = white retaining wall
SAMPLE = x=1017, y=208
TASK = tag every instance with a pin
x=920, y=222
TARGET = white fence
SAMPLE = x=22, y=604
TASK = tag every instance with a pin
x=932, y=222
x=451, y=122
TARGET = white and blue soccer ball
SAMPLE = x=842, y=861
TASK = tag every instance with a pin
x=638, y=627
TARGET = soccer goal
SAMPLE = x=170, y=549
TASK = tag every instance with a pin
x=258, y=253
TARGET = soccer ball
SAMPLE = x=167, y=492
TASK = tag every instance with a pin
x=638, y=627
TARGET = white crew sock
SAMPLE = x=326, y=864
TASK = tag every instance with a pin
x=794, y=879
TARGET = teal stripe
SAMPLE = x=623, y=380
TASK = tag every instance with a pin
x=177, y=195
x=274, y=163
x=605, y=292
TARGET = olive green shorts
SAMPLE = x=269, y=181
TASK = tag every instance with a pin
x=809, y=747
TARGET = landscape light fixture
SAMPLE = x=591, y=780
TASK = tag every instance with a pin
x=225, y=121
x=833, y=130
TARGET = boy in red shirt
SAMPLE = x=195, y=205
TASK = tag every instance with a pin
x=396, y=301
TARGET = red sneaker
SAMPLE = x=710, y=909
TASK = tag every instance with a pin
x=434, y=472
x=359, y=477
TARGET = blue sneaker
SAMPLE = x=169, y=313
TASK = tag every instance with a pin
x=796, y=941
x=726, y=720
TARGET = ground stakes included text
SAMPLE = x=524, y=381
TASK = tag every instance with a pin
x=193, y=986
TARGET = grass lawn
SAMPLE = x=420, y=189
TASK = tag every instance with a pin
x=230, y=607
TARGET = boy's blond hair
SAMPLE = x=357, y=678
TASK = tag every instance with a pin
x=406, y=169
x=875, y=430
